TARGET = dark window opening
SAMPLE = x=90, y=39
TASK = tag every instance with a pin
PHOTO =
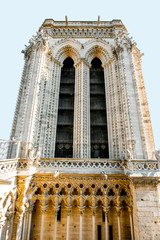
x=98, y=116
x=64, y=136
x=59, y=214
x=103, y=216
x=110, y=233
x=99, y=232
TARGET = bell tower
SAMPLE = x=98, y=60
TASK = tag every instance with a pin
x=81, y=161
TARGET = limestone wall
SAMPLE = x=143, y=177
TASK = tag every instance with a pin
x=146, y=200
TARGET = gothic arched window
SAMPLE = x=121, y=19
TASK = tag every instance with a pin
x=64, y=136
x=98, y=117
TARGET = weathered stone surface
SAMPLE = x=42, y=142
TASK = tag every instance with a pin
x=45, y=197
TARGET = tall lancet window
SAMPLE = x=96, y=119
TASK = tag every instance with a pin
x=64, y=137
x=98, y=117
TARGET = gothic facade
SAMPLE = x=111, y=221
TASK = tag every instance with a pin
x=81, y=162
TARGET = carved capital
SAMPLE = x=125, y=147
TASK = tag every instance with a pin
x=94, y=210
x=43, y=208
x=68, y=210
x=56, y=61
x=106, y=210
x=30, y=208
x=118, y=210
x=82, y=60
x=81, y=209
x=18, y=217
x=130, y=209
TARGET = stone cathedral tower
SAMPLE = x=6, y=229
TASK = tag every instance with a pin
x=81, y=162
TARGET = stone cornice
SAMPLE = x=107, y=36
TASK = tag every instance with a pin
x=80, y=29
x=51, y=22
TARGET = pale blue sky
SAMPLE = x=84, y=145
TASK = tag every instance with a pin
x=21, y=19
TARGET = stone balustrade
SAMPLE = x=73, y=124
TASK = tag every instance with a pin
x=23, y=161
x=83, y=166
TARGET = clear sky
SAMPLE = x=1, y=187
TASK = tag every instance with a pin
x=21, y=19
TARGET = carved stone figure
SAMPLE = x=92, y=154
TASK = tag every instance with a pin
x=157, y=154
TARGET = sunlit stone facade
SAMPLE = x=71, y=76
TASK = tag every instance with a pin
x=81, y=162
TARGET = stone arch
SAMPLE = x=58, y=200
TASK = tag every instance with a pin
x=74, y=202
x=38, y=190
x=122, y=190
x=111, y=192
x=87, y=191
x=63, y=190
x=51, y=191
x=99, y=50
x=49, y=186
x=75, y=191
x=11, y=202
x=87, y=202
x=125, y=197
x=99, y=191
x=66, y=49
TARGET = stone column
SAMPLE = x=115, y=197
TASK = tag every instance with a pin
x=81, y=222
x=3, y=228
x=24, y=225
x=131, y=222
x=19, y=219
x=24, y=235
x=55, y=222
x=11, y=226
x=106, y=210
x=93, y=223
x=68, y=222
x=7, y=227
x=81, y=143
x=118, y=210
x=44, y=208
x=29, y=221
x=110, y=83
x=55, y=226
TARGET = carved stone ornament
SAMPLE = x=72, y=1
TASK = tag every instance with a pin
x=37, y=40
x=34, y=155
x=157, y=154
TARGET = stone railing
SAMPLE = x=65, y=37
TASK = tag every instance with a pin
x=143, y=168
x=8, y=165
x=93, y=166
x=142, y=165
x=14, y=156
x=81, y=163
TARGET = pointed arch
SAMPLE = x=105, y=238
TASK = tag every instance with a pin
x=10, y=194
x=67, y=48
x=99, y=50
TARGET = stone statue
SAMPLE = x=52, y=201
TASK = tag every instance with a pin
x=129, y=154
x=157, y=154
x=31, y=153
x=34, y=156
x=37, y=157
x=56, y=174
x=104, y=174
